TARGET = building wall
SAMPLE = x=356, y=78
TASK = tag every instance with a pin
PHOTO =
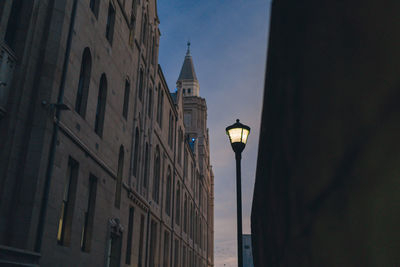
x=326, y=191
x=28, y=125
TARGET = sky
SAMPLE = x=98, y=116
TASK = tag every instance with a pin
x=228, y=45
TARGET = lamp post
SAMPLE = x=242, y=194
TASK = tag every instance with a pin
x=238, y=134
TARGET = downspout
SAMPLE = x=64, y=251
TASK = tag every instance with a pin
x=50, y=164
x=173, y=198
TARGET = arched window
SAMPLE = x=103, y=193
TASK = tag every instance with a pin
x=94, y=6
x=141, y=84
x=178, y=204
x=144, y=29
x=146, y=166
x=168, y=192
x=136, y=153
x=160, y=106
x=185, y=206
x=83, y=84
x=120, y=170
x=110, y=23
x=180, y=137
x=125, y=107
x=150, y=106
x=101, y=106
x=156, y=181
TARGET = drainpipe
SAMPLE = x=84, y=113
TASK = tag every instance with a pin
x=173, y=198
x=50, y=164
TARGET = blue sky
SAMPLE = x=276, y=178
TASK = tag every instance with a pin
x=229, y=44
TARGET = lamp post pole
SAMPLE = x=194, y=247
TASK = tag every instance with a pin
x=238, y=134
x=238, y=156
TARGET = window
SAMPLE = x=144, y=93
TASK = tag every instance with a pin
x=189, y=91
x=13, y=23
x=126, y=99
x=132, y=24
x=150, y=105
x=185, y=164
x=160, y=106
x=141, y=238
x=153, y=51
x=67, y=207
x=180, y=137
x=168, y=192
x=114, y=250
x=178, y=204
x=141, y=85
x=166, y=249
x=136, y=153
x=146, y=166
x=156, y=181
x=118, y=185
x=187, y=119
x=176, y=260
x=153, y=244
x=170, y=129
x=129, y=238
x=185, y=206
x=110, y=23
x=83, y=84
x=183, y=256
x=94, y=6
x=101, y=106
x=89, y=215
x=144, y=29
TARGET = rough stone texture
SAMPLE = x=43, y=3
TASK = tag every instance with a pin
x=327, y=181
x=27, y=126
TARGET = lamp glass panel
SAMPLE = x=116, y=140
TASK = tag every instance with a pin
x=235, y=135
x=245, y=135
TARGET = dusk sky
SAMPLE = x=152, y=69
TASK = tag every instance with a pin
x=229, y=44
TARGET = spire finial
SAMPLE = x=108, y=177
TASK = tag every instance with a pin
x=188, y=48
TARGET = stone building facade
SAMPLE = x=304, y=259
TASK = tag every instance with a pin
x=100, y=164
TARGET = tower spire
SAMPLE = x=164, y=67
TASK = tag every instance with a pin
x=187, y=79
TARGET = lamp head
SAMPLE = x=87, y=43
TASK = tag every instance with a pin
x=238, y=134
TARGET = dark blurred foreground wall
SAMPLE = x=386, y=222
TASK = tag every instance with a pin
x=327, y=187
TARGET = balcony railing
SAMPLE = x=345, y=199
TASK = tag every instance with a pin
x=7, y=65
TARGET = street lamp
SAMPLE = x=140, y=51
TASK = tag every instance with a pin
x=238, y=134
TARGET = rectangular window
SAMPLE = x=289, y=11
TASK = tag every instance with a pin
x=126, y=100
x=166, y=249
x=153, y=244
x=141, y=238
x=114, y=251
x=183, y=256
x=89, y=215
x=176, y=260
x=129, y=237
x=67, y=207
x=110, y=23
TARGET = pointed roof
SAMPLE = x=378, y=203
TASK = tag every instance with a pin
x=187, y=71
